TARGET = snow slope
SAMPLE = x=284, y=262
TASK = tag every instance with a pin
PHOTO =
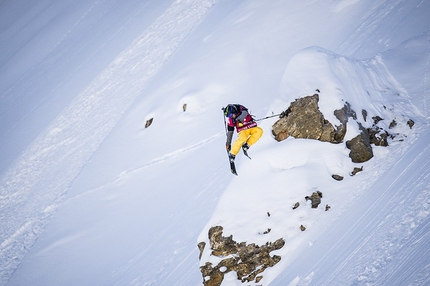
x=298, y=167
x=89, y=196
x=389, y=224
x=81, y=127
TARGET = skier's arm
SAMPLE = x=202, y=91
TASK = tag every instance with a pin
x=242, y=116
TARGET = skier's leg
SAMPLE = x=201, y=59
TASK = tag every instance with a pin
x=241, y=138
x=255, y=134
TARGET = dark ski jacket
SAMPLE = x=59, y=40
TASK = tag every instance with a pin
x=242, y=122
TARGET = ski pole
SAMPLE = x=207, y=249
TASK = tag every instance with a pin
x=268, y=117
x=225, y=125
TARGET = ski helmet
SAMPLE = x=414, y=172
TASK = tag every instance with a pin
x=229, y=110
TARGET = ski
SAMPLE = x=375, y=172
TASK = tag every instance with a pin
x=246, y=153
x=233, y=168
x=232, y=165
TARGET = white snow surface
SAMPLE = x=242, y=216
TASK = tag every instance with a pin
x=89, y=196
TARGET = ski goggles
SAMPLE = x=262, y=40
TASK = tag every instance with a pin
x=228, y=111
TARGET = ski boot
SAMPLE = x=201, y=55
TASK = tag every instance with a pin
x=231, y=157
x=245, y=148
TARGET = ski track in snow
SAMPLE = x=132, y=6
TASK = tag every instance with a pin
x=391, y=233
x=45, y=69
x=32, y=188
x=381, y=15
x=381, y=218
x=155, y=161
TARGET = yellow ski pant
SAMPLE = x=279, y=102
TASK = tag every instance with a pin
x=249, y=136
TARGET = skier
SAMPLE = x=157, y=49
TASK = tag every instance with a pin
x=246, y=127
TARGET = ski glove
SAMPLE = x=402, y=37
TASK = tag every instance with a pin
x=228, y=147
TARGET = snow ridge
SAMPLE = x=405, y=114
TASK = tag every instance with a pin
x=33, y=187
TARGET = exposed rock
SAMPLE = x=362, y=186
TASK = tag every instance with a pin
x=303, y=119
x=315, y=199
x=268, y=214
x=327, y=207
x=342, y=115
x=221, y=246
x=378, y=136
x=184, y=107
x=361, y=151
x=296, y=205
x=410, y=123
x=215, y=274
x=148, y=122
x=364, y=113
x=347, y=111
x=392, y=124
x=340, y=132
x=337, y=177
x=302, y=228
x=266, y=231
x=356, y=170
x=376, y=119
x=201, y=247
x=248, y=261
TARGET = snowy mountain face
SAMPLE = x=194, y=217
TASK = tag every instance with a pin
x=89, y=196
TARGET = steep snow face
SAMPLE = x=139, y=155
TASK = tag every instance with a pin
x=386, y=26
x=364, y=84
x=58, y=154
x=382, y=238
x=128, y=205
x=413, y=55
x=51, y=51
x=299, y=167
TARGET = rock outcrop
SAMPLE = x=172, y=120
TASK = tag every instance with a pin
x=248, y=260
x=148, y=122
x=337, y=177
x=303, y=119
x=315, y=199
x=361, y=151
x=356, y=170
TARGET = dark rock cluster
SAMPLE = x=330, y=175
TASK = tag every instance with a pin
x=303, y=119
x=361, y=150
x=248, y=260
x=315, y=199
